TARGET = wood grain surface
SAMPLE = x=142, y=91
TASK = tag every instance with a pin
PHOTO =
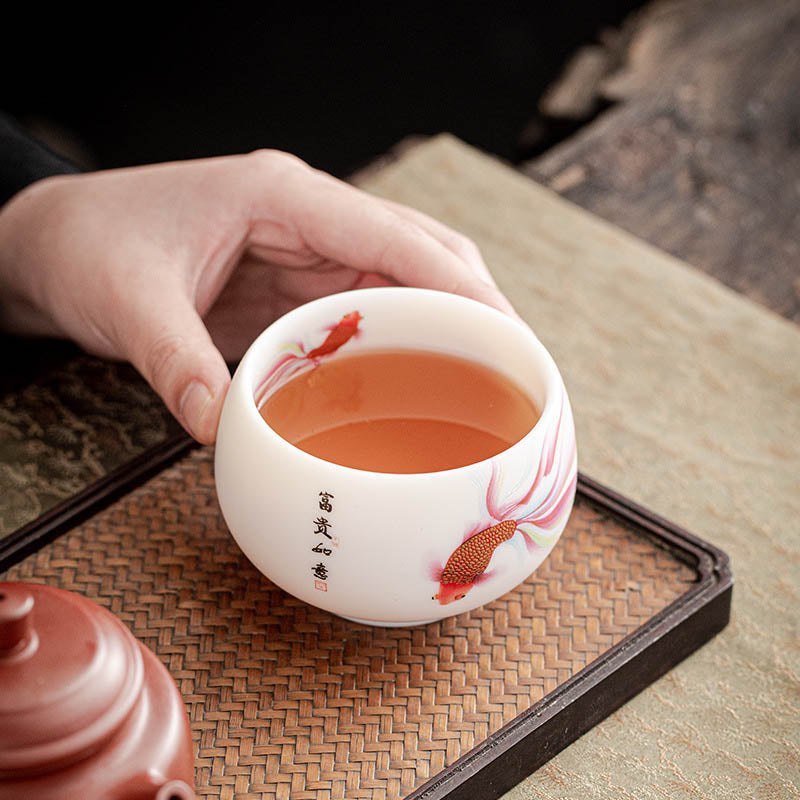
x=700, y=152
x=687, y=399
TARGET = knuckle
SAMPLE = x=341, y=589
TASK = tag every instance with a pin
x=272, y=160
x=462, y=286
x=465, y=247
x=398, y=236
x=162, y=358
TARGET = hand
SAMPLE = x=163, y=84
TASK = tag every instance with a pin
x=178, y=266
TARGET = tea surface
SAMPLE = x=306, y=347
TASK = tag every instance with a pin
x=400, y=411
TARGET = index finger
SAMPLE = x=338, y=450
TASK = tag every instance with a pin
x=347, y=225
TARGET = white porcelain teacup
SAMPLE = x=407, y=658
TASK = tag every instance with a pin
x=395, y=549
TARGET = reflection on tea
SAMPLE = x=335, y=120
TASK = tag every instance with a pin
x=400, y=411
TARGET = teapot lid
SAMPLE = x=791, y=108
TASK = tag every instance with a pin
x=70, y=673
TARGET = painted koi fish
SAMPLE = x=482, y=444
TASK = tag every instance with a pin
x=534, y=520
x=296, y=359
x=342, y=332
x=470, y=560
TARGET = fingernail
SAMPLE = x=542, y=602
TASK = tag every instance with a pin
x=194, y=403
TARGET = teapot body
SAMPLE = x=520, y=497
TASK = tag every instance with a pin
x=86, y=711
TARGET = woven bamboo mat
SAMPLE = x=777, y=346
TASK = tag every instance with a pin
x=287, y=701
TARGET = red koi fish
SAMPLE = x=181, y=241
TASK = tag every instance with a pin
x=342, y=332
x=537, y=519
x=470, y=560
x=297, y=359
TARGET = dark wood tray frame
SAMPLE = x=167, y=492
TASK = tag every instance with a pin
x=526, y=743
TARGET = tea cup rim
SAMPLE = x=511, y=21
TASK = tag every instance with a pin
x=245, y=382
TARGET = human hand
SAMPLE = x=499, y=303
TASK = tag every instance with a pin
x=176, y=267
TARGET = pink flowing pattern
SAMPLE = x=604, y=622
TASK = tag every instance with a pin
x=538, y=519
x=297, y=358
x=529, y=508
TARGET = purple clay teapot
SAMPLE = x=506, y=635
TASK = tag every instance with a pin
x=86, y=711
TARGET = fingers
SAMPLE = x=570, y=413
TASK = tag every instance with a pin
x=169, y=344
x=460, y=245
x=344, y=224
x=486, y=290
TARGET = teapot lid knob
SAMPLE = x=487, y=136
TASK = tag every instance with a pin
x=16, y=631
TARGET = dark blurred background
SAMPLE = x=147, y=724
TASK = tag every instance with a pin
x=336, y=86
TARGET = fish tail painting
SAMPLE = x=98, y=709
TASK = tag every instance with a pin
x=533, y=513
x=296, y=357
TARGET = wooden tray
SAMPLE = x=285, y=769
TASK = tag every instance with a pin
x=287, y=701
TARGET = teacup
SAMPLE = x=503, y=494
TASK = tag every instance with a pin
x=383, y=548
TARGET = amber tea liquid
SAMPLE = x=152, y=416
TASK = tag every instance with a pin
x=400, y=411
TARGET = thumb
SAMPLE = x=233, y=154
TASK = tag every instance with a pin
x=173, y=350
